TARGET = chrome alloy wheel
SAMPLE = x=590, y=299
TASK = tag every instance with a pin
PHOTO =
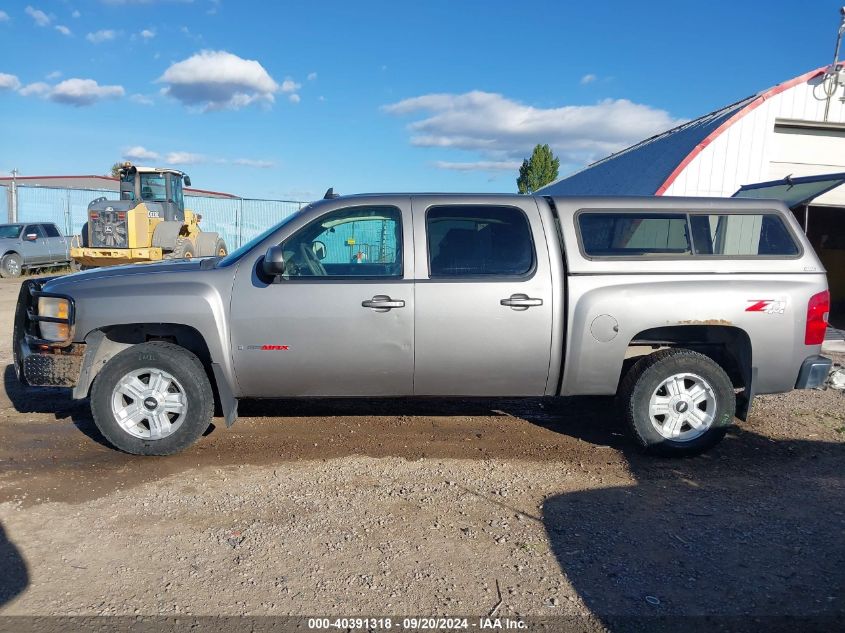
x=149, y=403
x=682, y=407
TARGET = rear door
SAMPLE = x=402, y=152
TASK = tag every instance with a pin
x=56, y=242
x=483, y=297
x=34, y=246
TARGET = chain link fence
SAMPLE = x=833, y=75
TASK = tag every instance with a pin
x=237, y=220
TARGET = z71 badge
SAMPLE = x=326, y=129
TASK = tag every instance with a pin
x=769, y=306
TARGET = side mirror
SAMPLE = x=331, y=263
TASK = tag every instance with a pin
x=187, y=180
x=319, y=249
x=274, y=262
x=30, y=237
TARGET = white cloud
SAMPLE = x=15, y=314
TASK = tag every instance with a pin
x=83, y=92
x=588, y=79
x=251, y=162
x=147, y=34
x=139, y=152
x=501, y=129
x=141, y=99
x=4, y=17
x=480, y=165
x=38, y=89
x=289, y=85
x=184, y=158
x=54, y=75
x=99, y=37
x=218, y=80
x=312, y=76
x=41, y=18
x=9, y=82
x=294, y=98
x=61, y=28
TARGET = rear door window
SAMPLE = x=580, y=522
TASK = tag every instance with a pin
x=478, y=240
x=50, y=230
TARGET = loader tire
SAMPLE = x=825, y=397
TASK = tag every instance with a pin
x=183, y=249
x=220, y=249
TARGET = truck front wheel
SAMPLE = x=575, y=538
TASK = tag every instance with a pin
x=677, y=402
x=152, y=399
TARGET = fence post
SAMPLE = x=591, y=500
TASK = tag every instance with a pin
x=67, y=213
x=239, y=217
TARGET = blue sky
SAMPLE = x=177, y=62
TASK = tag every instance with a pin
x=284, y=99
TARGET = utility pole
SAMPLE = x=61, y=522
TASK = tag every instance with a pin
x=13, y=207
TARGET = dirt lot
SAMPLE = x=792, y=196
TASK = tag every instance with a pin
x=401, y=507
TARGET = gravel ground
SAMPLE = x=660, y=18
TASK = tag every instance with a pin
x=421, y=507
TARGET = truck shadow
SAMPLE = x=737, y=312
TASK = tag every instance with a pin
x=54, y=401
x=14, y=574
x=755, y=527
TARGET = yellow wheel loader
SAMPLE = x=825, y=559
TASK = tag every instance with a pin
x=148, y=223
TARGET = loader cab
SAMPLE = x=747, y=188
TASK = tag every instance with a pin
x=160, y=190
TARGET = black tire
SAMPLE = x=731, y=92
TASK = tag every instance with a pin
x=183, y=249
x=220, y=249
x=11, y=266
x=182, y=365
x=643, y=381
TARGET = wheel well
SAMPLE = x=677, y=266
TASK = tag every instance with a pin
x=728, y=346
x=11, y=252
x=179, y=334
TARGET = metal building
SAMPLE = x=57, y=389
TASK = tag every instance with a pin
x=786, y=142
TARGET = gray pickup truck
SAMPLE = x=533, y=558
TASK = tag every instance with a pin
x=33, y=245
x=685, y=308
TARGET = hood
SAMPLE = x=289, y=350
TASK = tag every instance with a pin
x=109, y=273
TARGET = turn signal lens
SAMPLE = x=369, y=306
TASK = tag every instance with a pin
x=56, y=308
x=818, y=311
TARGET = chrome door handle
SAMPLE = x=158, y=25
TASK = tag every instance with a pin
x=521, y=301
x=382, y=302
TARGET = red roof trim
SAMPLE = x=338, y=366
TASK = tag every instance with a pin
x=763, y=96
x=187, y=189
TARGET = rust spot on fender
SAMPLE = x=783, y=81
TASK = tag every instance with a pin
x=706, y=322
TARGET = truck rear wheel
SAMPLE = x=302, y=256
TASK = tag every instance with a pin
x=152, y=399
x=677, y=402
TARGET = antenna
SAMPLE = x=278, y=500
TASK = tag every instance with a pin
x=835, y=75
x=330, y=194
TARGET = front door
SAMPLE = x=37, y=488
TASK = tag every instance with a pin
x=340, y=321
x=484, y=299
x=34, y=246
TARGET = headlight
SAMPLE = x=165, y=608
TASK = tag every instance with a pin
x=57, y=308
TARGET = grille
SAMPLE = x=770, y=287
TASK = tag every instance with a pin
x=108, y=229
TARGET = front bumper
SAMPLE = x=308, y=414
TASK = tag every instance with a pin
x=114, y=256
x=38, y=362
x=814, y=372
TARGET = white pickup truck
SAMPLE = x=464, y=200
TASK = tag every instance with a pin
x=684, y=308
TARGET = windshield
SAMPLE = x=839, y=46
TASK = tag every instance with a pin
x=237, y=254
x=153, y=187
x=10, y=230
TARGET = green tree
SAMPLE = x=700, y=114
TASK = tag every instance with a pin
x=115, y=170
x=539, y=170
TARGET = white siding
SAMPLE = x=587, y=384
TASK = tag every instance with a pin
x=750, y=151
